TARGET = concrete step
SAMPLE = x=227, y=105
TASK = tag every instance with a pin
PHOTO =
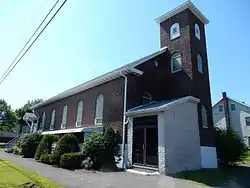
x=144, y=170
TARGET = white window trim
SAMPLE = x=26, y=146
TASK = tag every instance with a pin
x=231, y=107
x=199, y=63
x=52, y=124
x=203, y=109
x=79, y=119
x=172, y=35
x=198, y=33
x=100, y=96
x=64, y=117
x=175, y=56
x=219, y=108
x=43, y=121
x=246, y=122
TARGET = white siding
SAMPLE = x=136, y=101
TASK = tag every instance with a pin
x=237, y=117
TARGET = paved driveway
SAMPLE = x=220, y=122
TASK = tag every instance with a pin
x=88, y=179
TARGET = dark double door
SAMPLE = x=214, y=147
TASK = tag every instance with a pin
x=145, y=145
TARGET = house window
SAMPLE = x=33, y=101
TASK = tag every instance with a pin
x=233, y=107
x=204, y=116
x=197, y=31
x=52, y=122
x=43, y=121
x=99, y=110
x=176, y=62
x=199, y=63
x=220, y=108
x=174, y=31
x=79, y=114
x=247, y=121
x=64, y=117
x=146, y=98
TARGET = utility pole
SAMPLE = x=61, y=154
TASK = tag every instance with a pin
x=226, y=110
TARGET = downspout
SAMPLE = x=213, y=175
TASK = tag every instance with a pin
x=124, y=118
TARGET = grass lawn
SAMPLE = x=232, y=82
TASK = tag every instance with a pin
x=12, y=175
x=218, y=177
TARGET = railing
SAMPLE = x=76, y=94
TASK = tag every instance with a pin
x=13, y=141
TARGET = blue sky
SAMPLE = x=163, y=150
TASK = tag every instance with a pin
x=90, y=37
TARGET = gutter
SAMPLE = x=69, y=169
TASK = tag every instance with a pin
x=137, y=73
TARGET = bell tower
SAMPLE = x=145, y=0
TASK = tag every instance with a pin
x=182, y=32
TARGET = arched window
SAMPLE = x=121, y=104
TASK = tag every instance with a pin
x=64, y=117
x=199, y=63
x=174, y=31
x=197, y=31
x=99, y=110
x=204, y=116
x=176, y=62
x=52, y=121
x=146, y=98
x=43, y=121
x=79, y=114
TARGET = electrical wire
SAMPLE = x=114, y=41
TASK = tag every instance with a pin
x=4, y=76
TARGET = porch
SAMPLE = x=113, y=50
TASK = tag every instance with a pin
x=165, y=135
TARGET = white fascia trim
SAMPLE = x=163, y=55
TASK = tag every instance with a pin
x=187, y=5
x=164, y=107
x=129, y=68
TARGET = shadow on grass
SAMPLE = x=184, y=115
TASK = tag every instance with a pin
x=218, y=177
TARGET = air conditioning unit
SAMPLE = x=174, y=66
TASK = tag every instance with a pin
x=78, y=124
x=98, y=121
x=63, y=126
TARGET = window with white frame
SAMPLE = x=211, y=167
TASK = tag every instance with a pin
x=233, y=108
x=197, y=31
x=99, y=110
x=220, y=108
x=199, y=63
x=146, y=98
x=43, y=121
x=79, y=114
x=64, y=117
x=174, y=31
x=204, y=116
x=176, y=62
x=247, y=121
x=52, y=121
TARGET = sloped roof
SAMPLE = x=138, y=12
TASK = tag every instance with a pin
x=126, y=69
x=187, y=5
x=164, y=105
x=236, y=101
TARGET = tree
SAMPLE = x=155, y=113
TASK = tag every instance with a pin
x=8, y=117
x=25, y=108
x=230, y=147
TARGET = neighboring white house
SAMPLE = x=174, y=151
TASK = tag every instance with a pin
x=239, y=117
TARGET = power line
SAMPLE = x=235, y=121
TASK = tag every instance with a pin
x=29, y=40
x=3, y=77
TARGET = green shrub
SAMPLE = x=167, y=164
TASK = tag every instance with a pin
x=101, y=148
x=28, y=144
x=51, y=159
x=71, y=160
x=93, y=147
x=45, y=146
x=67, y=144
x=111, y=144
x=230, y=147
x=16, y=150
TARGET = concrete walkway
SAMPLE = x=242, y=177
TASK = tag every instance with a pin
x=89, y=179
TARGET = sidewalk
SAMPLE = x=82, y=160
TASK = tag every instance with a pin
x=89, y=179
